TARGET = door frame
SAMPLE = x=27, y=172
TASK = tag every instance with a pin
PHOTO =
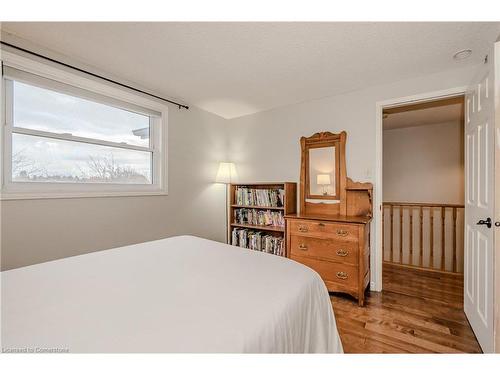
x=377, y=254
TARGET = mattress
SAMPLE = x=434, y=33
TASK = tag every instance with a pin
x=179, y=294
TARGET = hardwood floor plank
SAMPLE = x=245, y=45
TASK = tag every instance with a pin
x=379, y=338
x=410, y=338
x=418, y=312
x=371, y=345
x=408, y=320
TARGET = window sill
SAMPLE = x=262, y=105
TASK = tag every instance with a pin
x=6, y=196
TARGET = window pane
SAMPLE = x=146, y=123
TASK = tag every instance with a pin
x=40, y=159
x=51, y=111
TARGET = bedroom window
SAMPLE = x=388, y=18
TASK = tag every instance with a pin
x=64, y=140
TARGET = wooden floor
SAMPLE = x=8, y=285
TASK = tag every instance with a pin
x=417, y=312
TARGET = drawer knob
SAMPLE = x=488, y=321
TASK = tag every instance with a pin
x=342, y=275
x=342, y=253
x=302, y=247
x=321, y=224
x=342, y=232
x=302, y=228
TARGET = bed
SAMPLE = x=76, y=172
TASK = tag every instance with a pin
x=179, y=294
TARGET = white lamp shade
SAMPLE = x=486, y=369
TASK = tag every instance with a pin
x=323, y=179
x=226, y=173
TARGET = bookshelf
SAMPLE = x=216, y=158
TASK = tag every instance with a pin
x=265, y=207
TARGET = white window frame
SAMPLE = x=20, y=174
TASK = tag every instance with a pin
x=36, y=190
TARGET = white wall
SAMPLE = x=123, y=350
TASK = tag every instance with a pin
x=35, y=231
x=424, y=164
x=265, y=146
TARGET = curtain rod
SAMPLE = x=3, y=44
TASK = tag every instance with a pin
x=93, y=74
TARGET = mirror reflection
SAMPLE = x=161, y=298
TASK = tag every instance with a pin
x=322, y=171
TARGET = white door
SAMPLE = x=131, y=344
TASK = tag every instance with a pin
x=479, y=204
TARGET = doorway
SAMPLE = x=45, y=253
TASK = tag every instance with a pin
x=423, y=212
x=423, y=179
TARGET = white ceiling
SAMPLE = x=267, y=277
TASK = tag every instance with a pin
x=235, y=69
x=422, y=117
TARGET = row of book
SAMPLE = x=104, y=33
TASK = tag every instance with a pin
x=259, y=217
x=257, y=241
x=259, y=197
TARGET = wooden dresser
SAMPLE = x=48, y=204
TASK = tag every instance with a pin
x=331, y=233
x=335, y=247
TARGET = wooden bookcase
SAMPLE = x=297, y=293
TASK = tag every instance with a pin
x=289, y=207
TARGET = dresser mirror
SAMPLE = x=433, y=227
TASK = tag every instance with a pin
x=323, y=172
x=323, y=176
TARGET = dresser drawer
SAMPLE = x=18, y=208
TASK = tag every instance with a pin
x=330, y=249
x=338, y=273
x=344, y=232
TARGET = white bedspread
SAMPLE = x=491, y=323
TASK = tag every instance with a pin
x=180, y=294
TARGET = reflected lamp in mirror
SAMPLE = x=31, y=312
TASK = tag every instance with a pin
x=324, y=181
x=226, y=174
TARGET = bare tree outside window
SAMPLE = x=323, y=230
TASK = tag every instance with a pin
x=98, y=168
x=106, y=169
x=24, y=167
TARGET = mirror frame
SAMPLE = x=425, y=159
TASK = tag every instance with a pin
x=319, y=140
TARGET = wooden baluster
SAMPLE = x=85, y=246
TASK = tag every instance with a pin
x=433, y=263
x=443, y=246
x=411, y=237
x=391, y=234
x=454, y=239
x=421, y=236
x=431, y=237
x=401, y=234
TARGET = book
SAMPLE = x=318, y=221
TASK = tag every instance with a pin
x=254, y=216
x=245, y=196
x=255, y=240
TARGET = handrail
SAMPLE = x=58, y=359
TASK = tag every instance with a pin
x=416, y=204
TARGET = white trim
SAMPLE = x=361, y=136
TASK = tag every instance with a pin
x=5, y=196
x=377, y=256
x=3, y=120
x=32, y=190
x=73, y=138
